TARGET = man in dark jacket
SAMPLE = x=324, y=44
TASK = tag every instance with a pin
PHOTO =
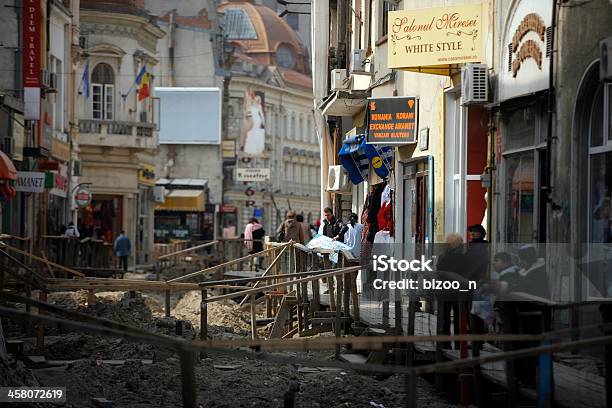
x=330, y=227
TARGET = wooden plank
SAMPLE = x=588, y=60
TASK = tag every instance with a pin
x=28, y=254
x=281, y=318
x=268, y=269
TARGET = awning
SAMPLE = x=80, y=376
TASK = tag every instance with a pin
x=183, y=200
x=356, y=157
x=179, y=182
x=343, y=104
x=7, y=168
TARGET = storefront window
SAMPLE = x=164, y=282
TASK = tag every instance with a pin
x=520, y=127
x=520, y=198
x=600, y=168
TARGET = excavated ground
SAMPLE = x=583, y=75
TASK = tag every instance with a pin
x=139, y=375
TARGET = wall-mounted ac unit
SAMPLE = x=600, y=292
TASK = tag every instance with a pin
x=339, y=80
x=358, y=60
x=8, y=146
x=52, y=80
x=605, y=59
x=474, y=84
x=45, y=77
x=159, y=192
x=337, y=180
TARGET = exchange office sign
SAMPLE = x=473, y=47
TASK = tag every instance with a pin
x=252, y=174
x=435, y=36
x=392, y=120
x=30, y=182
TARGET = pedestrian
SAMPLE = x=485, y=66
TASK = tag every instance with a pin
x=330, y=227
x=477, y=265
x=452, y=260
x=291, y=229
x=352, y=234
x=307, y=234
x=72, y=231
x=122, y=250
x=253, y=239
x=314, y=228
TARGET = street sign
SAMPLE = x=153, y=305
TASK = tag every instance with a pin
x=30, y=182
x=82, y=197
x=252, y=174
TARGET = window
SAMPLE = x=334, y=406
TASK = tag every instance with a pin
x=524, y=165
x=284, y=57
x=386, y=8
x=103, y=92
x=293, y=20
x=600, y=166
x=238, y=25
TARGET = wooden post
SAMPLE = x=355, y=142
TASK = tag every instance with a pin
x=330, y=283
x=463, y=375
x=316, y=295
x=268, y=305
x=545, y=366
x=338, y=312
x=410, y=397
x=346, y=300
x=385, y=313
x=40, y=338
x=355, y=297
x=253, y=318
x=479, y=397
x=606, y=314
x=167, y=303
x=398, y=328
x=439, y=355
x=188, y=378
x=91, y=297
x=204, y=316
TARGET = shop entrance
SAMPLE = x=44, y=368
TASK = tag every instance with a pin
x=417, y=213
x=102, y=218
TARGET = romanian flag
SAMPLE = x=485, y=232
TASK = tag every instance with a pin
x=142, y=80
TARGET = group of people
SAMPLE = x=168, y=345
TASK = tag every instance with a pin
x=491, y=308
x=122, y=245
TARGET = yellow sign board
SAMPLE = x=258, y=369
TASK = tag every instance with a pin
x=431, y=37
x=146, y=174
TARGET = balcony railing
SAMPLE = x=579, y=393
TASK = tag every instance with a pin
x=117, y=133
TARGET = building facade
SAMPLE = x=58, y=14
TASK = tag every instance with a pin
x=270, y=76
x=117, y=131
x=527, y=158
x=39, y=126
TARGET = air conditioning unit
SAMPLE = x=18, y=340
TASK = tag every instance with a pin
x=52, y=80
x=45, y=77
x=337, y=180
x=605, y=59
x=339, y=80
x=474, y=84
x=358, y=60
x=159, y=192
x=8, y=146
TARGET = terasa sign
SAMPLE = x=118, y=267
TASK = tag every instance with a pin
x=392, y=120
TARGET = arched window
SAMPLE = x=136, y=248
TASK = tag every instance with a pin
x=103, y=92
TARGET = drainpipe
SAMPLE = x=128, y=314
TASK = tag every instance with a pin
x=551, y=111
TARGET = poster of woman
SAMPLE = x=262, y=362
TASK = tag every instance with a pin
x=254, y=124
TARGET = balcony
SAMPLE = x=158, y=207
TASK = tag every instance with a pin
x=131, y=135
